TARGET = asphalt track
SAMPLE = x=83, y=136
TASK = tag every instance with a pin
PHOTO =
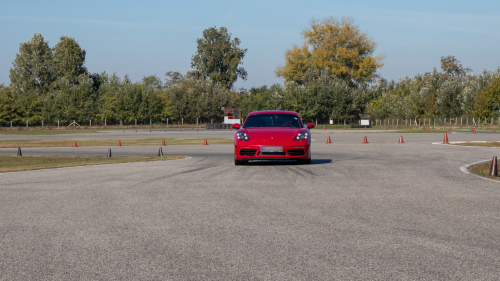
x=381, y=210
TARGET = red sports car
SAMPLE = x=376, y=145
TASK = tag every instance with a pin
x=272, y=135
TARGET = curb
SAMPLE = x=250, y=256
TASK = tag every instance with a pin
x=465, y=170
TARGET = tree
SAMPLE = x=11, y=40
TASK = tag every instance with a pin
x=68, y=59
x=337, y=46
x=8, y=107
x=152, y=81
x=31, y=70
x=488, y=101
x=218, y=58
x=453, y=67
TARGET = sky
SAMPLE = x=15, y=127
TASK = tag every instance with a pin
x=142, y=38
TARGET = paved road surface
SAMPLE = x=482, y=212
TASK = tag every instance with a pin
x=381, y=210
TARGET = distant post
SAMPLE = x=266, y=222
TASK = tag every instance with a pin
x=26, y=123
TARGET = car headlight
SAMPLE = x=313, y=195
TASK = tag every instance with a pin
x=242, y=136
x=302, y=136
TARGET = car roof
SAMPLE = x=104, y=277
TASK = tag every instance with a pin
x=272, y=111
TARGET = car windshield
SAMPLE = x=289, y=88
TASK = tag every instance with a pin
x=273, y=120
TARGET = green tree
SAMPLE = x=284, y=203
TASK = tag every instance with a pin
x=337, y=46
x=31, y=70
x=152, y=81
x=488, y=101
x=72, y=101
x=9, y=110
x=218, y=58
x=68, y=59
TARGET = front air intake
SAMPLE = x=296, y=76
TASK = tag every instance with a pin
x=296, y=152
x=247, y=152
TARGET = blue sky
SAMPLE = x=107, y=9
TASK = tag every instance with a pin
x=142, y=38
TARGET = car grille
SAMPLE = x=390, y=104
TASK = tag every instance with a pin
x=247, y=152
x=272, y=153
x=296, y=152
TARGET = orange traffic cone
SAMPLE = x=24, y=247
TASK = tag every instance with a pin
x=205, y=142
x=163, y=142
x=119, y=143
x=446, y=139
x=181, y=129
x=197, y=130
x=136, y=131
x=387, y=128
x=165, y=130
x=494, y=129
x=474, y=131
x=449, y=129
x=365, y=128
x=324, y=127
x=328, y=140
x=365, y=140
x=401, y=139
x=150, y=130
x=74, y=144
x=428, y=128
x=213, y=129
x=230, y=129
x=124, y=131
x=344, y=127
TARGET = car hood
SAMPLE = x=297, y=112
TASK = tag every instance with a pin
x=275, y=134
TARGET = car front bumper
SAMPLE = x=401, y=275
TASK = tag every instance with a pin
x=294, y=151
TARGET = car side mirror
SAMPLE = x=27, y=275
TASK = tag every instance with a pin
x=236, y=126
x=310, y=125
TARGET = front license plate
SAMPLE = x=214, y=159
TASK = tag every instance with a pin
x=271, y=149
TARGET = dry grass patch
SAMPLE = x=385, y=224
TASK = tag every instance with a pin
x=485, y=144
x=45, y=132
x=9, y=163
x=416, y=132
x=483, y=169
x=107, y=142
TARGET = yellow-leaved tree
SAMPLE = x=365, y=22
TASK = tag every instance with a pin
x=336, y=46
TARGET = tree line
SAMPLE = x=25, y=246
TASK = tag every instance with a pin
x=332, y=75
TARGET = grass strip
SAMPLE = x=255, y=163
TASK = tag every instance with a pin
x=107, y=142
x=45, y=132
x=485, y=144
x=482, y=169
x=9, y=163
x=416, y=132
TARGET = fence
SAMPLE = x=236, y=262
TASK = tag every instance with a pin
x=458, y=121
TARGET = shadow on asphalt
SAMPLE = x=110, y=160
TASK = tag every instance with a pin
x=287, y=162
